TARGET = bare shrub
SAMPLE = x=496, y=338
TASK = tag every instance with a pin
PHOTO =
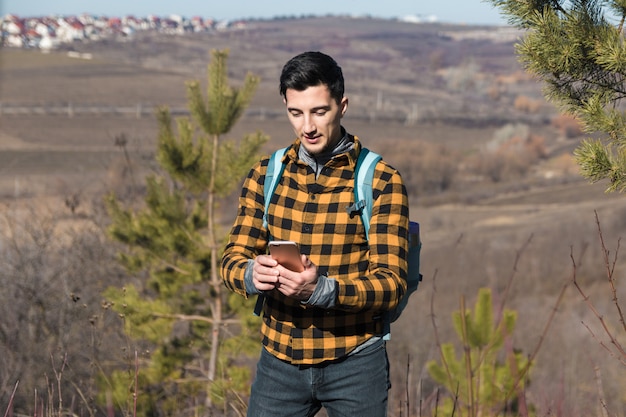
x=527, y=105
x=53, y=272
x=494, y=92
x=501, y=165
x=510, y=154
x=463, y=77
x=436, y=59
x=564, y=164
x=536, y=146
x=608, y=338
x=569, y=126
x=425, y=167
x=516, y=77
x=505, y=134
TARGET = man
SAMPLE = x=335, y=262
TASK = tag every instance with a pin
x=322, y=344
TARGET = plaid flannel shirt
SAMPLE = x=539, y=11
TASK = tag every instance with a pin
x=371, y=277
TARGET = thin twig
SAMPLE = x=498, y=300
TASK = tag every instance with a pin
x=406, y=385
x=610, y=268
x=58, y=376
x=192, y=317
x=436, y=329
x=136, y=385
x=598, y=378
x=456, y=400
x=521, y=394
x=507, y=289
x=6, y=413
x=542, y=337
x=84, y=399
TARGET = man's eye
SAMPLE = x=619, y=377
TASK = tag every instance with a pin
x=293, y=114
x=320, y=113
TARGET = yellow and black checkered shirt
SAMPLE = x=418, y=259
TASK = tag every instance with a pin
x=370, y=276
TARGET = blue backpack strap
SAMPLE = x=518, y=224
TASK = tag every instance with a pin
x=275, y=168
x=363, y=183
x=364, y=179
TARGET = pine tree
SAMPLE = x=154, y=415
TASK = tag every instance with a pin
x=577, y=49
x=488, y=377
x=173, y=244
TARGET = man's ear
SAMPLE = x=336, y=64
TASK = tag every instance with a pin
x=344, y=105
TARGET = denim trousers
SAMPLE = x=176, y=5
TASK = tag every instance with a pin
x=356, y=385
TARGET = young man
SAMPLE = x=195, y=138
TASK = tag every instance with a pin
x=321, y=331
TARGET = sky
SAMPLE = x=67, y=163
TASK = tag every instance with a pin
x=472, y=12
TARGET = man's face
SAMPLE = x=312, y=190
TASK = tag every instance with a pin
x=315, y=117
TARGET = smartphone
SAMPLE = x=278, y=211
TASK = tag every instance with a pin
x=287, y=253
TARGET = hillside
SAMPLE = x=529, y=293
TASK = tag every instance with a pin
x=432, y=98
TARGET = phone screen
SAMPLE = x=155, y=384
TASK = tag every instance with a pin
x=287, y=253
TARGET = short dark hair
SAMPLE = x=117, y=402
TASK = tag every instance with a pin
x=310, y=69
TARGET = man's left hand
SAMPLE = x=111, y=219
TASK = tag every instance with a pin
x=298, y=285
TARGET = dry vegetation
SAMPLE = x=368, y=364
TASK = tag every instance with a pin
x=486, y=161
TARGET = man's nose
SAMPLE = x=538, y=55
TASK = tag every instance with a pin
x=309, y=125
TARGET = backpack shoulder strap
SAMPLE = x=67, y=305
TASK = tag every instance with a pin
x=363, y=181
x=275, y=169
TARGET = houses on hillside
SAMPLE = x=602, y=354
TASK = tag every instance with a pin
x=52, y=31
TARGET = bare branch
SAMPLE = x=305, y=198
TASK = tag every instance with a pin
x=6, y=413
x=621, y=353
x=610, y=269
x=542, y=337
x=518, y=255
x=193, y=317
x=436, y=329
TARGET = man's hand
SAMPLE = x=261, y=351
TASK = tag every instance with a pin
x=298, y=285
x=268, y=275
x=265, y=273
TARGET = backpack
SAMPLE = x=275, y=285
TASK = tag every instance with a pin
x=363, y=197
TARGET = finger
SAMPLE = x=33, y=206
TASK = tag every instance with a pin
x=264, y=282
x=267, y=275
x=266, y=261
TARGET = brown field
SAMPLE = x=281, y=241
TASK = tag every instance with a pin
x=472, y=232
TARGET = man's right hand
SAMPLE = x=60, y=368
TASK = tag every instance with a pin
x=264, y=273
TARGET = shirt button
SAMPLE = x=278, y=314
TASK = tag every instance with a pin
x=307, y=229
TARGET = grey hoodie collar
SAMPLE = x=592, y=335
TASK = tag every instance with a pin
x=317, y=162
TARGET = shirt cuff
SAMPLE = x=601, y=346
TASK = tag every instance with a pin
x=247, y=279
x=325, y=293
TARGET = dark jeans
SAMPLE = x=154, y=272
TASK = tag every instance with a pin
x=354, y=386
